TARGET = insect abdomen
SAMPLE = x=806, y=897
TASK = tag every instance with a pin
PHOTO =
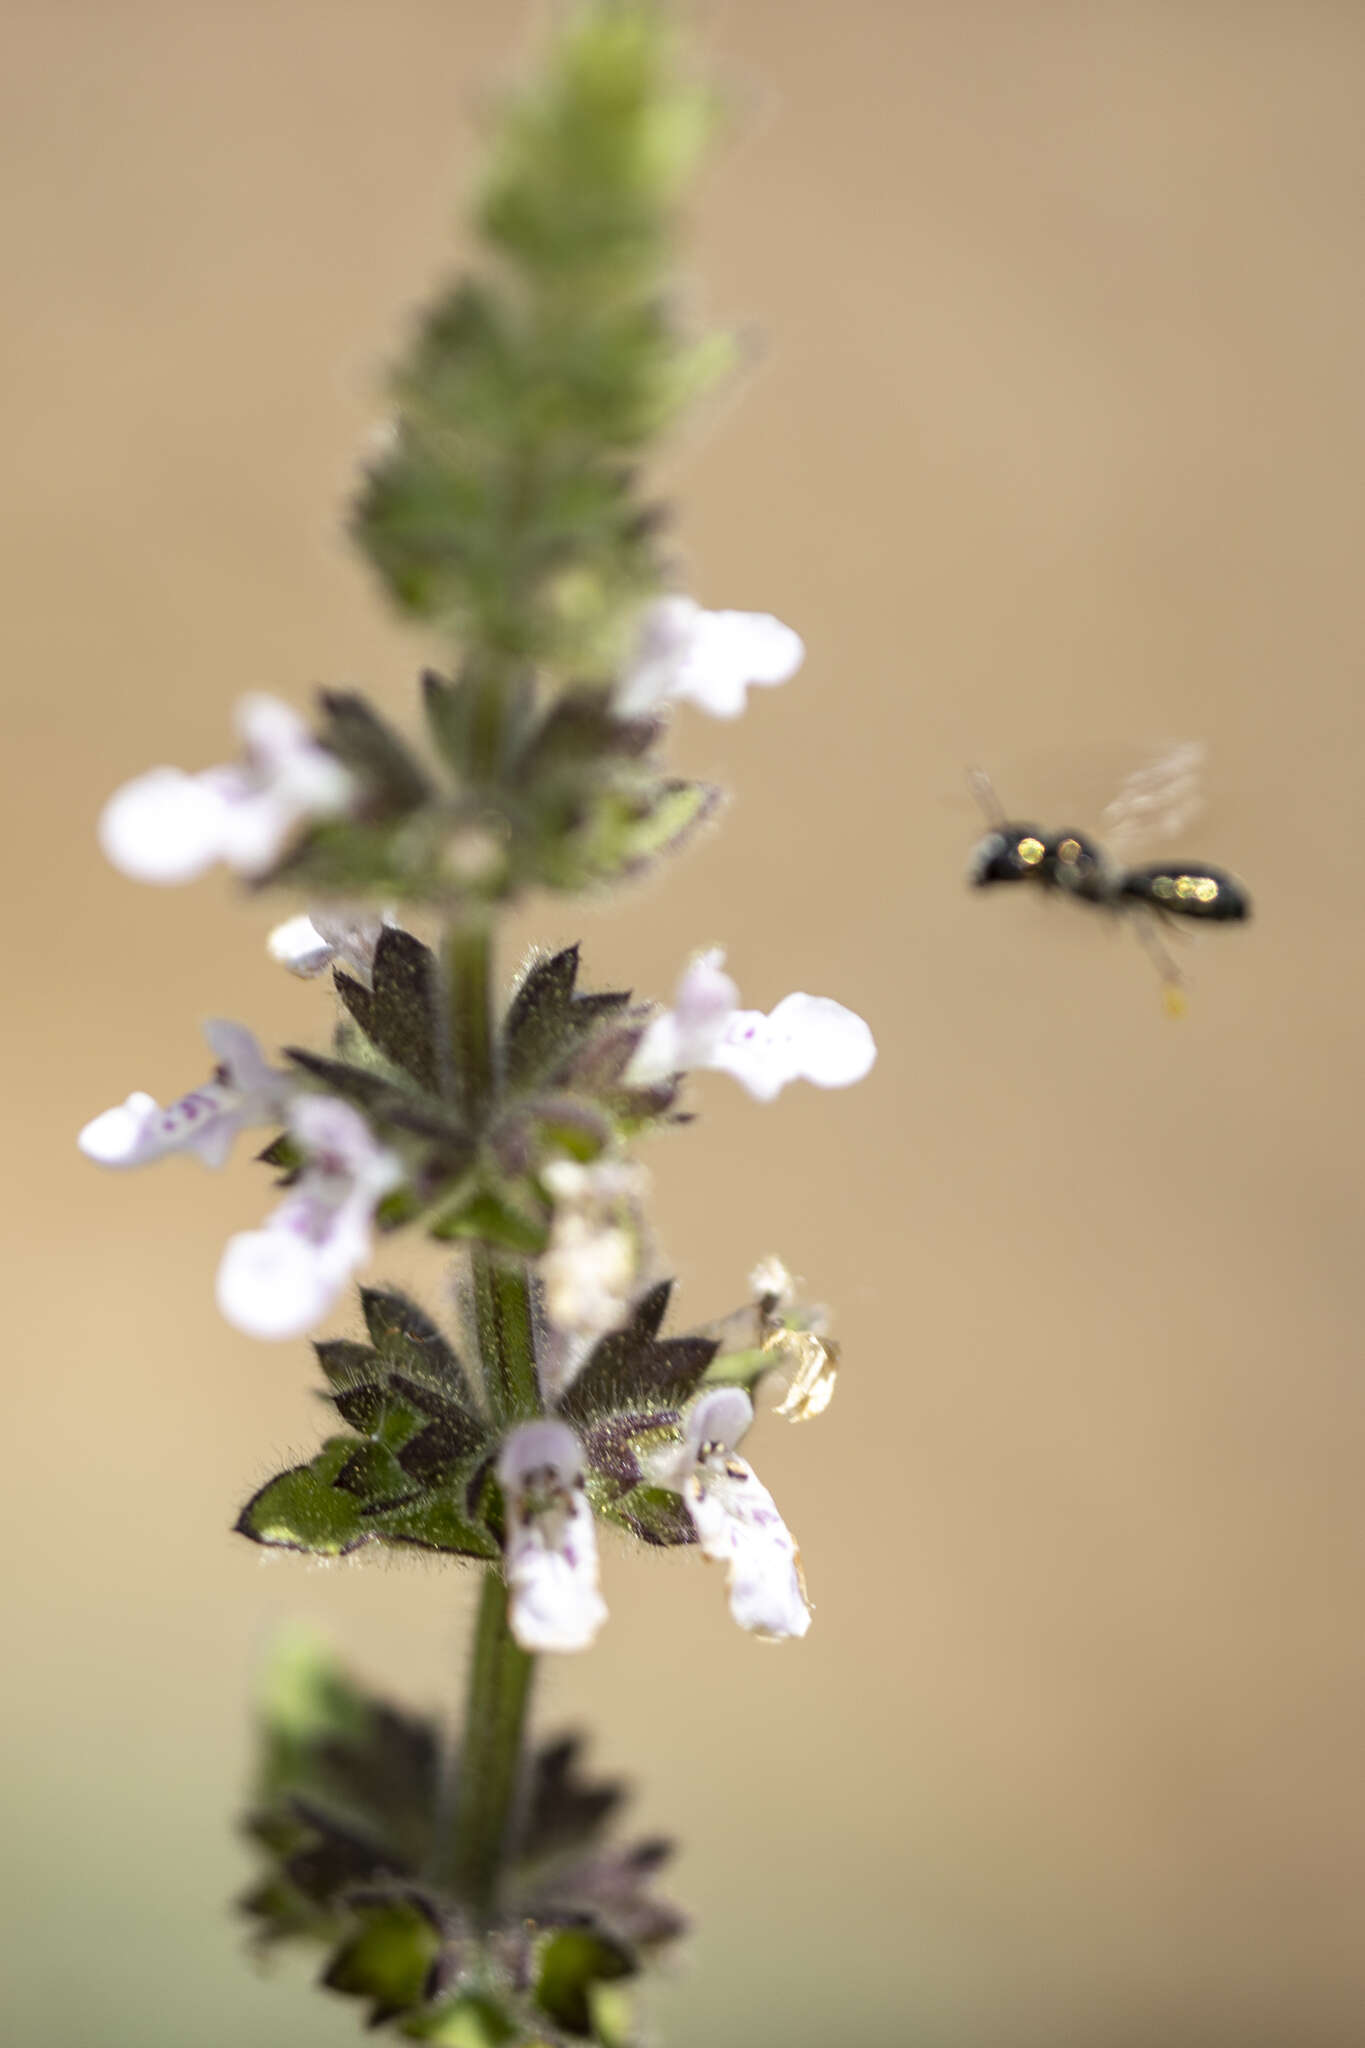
x=1201, y=892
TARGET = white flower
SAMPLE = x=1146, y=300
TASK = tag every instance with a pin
x=710, y=658
x=168, y=826
x=244, y=1091
x=734, y=1516
x=590, y=1265
x=309, y=943
x=281, y=1280
x=550, y=1544
x=806, y=1038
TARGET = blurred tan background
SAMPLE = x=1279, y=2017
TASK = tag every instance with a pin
x=1056, y=447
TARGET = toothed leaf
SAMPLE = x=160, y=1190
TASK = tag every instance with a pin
x=401, y=1013
x=392, y=778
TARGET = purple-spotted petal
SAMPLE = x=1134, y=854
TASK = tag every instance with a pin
x=550, y=1544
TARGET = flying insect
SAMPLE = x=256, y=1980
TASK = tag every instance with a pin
x=1161, y=797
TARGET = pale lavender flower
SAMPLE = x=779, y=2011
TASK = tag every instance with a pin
x=707, y=658
x=244, y=1091
x=281, y=1280
x=805, y=1038
x=168, y=826
x=734, y=1515
x=321, y=937
x=550, y=1545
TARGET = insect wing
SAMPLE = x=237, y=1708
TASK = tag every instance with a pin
x=1158, y=800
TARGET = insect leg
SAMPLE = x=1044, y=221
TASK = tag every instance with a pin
x=1172, y=981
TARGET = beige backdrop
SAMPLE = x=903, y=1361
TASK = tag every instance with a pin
x=1055, y=447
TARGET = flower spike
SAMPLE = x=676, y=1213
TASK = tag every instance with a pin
x=550, y=1543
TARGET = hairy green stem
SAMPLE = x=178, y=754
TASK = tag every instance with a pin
x=502, y=1304
x=488, y=1772
x=490, y=1756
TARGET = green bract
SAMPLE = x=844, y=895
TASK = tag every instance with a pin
x=415, y=1467
x=548, y=791
x=347, y=1821
x=555, y=1088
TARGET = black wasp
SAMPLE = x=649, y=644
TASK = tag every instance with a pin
x=1160, y=797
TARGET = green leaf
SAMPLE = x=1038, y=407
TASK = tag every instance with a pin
x=571, y=1962
x=437, y=1521
x=633, y=1368
x=580, y=730
x=355, y=1493
x=394, y=781
x=489, y=1217
x=655, y=1514
x=549, y=1024
x=450, y=712
x=629, y=831
x=304, y=1509
x=388, y=1959
x=387, y=1103
x=563, y=1809
x=470, y=2022
x=405, y=1335
x=403, y=1012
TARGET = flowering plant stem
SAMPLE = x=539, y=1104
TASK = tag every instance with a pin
x=481, y=1902
x=500, y=1672
x=490, y=1753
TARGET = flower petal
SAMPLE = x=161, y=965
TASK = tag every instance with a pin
x=738, y=1525
x=257, y=830
x=298, y=945
x=662, y=644
x=341, y=1143
x=709, y=658
x=833, y=1045
x=722, y=1417
x=550, y=1542
x=118, y=1137
x=729, y=652
x=238, y=1051
x=687, y=1035
x=760, y=1059
x=808, y=1038
x=309, y=943
x=734, y=1515
x=164, y=826
x=274, y=1285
